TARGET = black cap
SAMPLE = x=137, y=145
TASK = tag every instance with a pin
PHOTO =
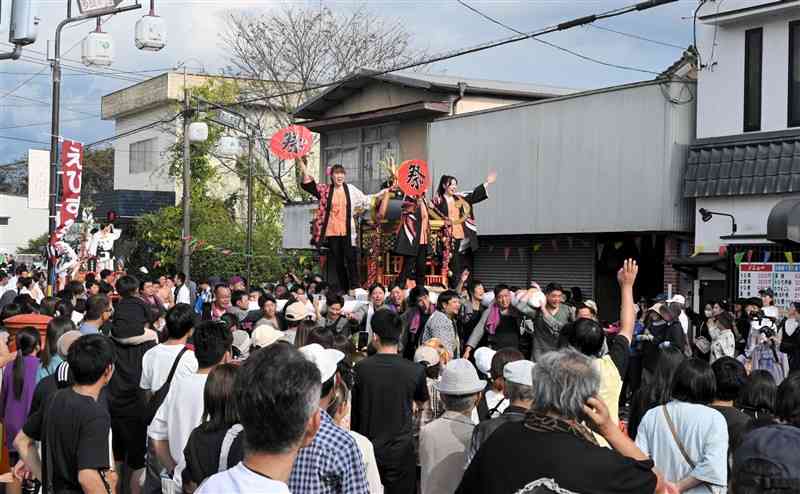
x=767, y=292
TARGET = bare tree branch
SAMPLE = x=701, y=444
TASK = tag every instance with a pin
x=298, y=48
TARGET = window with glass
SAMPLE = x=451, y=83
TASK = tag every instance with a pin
x=360, y=151
x=143, y=156
x=753, y=48
x=794, y=74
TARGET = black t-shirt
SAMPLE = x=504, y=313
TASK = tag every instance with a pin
x=619, y=350
x=507, y=333
x=737, y=423
x=515, y=456
x=74, y=429
x=386, y=386
x=202, y=454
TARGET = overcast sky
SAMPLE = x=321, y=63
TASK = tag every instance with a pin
x=438, y=25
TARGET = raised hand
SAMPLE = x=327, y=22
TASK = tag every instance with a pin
x=626, y=276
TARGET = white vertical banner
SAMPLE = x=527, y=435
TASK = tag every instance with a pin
x=38, y=178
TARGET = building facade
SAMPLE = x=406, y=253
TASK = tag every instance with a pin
x=19, y=223
x=371, y=117
x=584, y=181
x=746, y=159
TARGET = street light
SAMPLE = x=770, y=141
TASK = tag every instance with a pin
x=89, y=9
x=706, y=216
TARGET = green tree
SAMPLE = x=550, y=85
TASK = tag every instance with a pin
x=35, y=245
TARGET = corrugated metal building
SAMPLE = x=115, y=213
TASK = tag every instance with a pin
x=583, y=181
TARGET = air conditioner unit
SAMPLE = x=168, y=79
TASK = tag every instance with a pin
x=24, y=22
x=97, y=49
x=198, y=132
x=151, y=33
x=229, y=146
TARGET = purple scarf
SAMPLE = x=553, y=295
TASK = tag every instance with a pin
x=493, y=320
x=415, y=320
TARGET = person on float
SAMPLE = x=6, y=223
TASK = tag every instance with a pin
x=334, y=224
x=456, y=208
x=413, y=234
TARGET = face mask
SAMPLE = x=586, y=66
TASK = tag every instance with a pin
x=709, y=313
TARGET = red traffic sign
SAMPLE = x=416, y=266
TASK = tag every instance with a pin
x=292, y=142
x=413, y=177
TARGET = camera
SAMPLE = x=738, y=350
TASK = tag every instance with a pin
x=767, y=331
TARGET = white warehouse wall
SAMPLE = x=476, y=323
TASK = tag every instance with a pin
x=23, y=223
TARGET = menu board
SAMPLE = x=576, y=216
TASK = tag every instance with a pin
x=782, y=277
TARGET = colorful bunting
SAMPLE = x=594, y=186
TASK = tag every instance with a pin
x=789, y=257
x=750, y=255
x=618, y=245
x=723, y=250
x=737, y=259
x=698, y=249
x=767, y=255
x=506, y=252
x=537, y=247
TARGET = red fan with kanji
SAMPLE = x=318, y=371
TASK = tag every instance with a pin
x=413, y=177
x=292, y=142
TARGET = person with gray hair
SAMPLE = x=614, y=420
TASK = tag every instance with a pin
x=280, y=383
x=443, y=443
x=518, y=390
x=565, y=384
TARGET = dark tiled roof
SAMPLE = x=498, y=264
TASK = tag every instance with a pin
x=689, y=57
x=131, y=203
x=743, y=168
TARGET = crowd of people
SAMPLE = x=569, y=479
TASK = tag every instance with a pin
x=155, y=385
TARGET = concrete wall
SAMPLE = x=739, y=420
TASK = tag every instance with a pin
x=751, y=213
x=23, y=223
x=720, y=87
x=604, y=161
x=157, y=179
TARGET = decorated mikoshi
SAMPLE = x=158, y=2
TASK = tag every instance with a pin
x=387, y=227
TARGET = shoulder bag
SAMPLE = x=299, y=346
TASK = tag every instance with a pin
x=681, y=447
x=159, y=396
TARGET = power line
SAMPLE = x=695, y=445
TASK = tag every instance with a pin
x=474, y=49
x=23, y=126
x=637, y=36
x=20, y=139
x=553, y=45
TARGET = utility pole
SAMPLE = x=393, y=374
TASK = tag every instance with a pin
x=249, y=249
x=187, y=182
x=55, y=127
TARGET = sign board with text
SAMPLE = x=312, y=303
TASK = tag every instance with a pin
x=782, y=277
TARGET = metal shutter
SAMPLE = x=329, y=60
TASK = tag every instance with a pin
x=492, y=267
x=570, y=263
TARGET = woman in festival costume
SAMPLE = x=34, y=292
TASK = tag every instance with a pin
x=456, y=208
x=334, y=224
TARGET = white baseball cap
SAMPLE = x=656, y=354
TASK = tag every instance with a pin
x=483, y=359
x=265, y=335
x=426, y=354
x=519, y=372
x=677, y=299
x=325, y=359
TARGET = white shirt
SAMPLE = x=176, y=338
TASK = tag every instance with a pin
x=370, y=463
x=492, y=399
x=157, y=362
x=684, y=320
x=178, y=416
x=241, y=480
x=184, y=296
